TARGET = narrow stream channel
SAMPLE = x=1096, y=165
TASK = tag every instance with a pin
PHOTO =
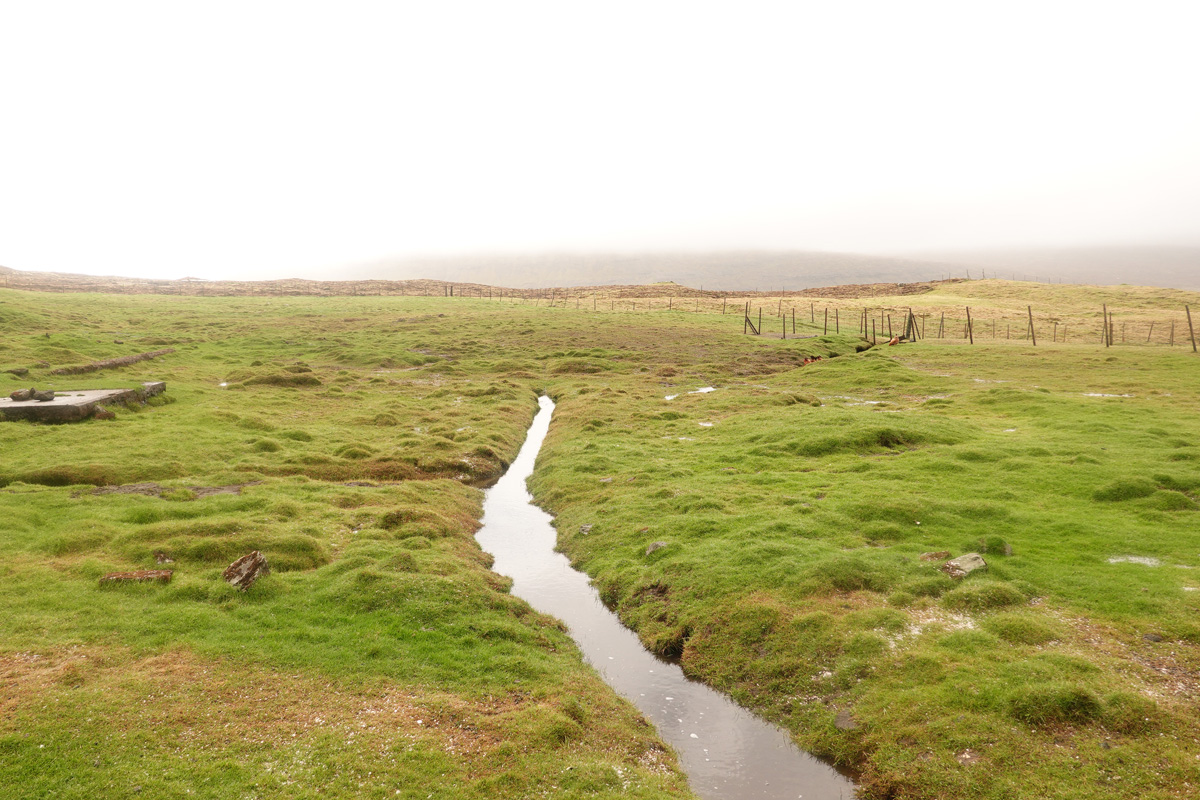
x=727, y=752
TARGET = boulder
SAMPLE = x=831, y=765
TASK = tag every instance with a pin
x=43, y=397
x=22, y=395
x=18, y=371
x=246, y=570
x=964, y=565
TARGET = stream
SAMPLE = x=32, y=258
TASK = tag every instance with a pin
x=727, y=752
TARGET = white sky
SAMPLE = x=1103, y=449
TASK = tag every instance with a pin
x=270, y=139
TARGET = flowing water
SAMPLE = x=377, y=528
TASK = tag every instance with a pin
x=727, y=752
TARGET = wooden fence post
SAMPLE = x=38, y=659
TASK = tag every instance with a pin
x=1032, y=333
x=970, y=333
x=1104, y=329
x=1191, y=330
x=826, y=320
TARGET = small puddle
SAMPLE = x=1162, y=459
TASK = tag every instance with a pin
x=1145, y=561
x=727, y=752
x=702, y=390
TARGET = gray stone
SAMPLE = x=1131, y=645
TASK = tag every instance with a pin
x=246, y=570
x=22, y=395
x=964, y=565
x=1152, y=637
x=937, y=556
x=43, y=397
x=844, y=722
x=655, y=546
x=585, y=529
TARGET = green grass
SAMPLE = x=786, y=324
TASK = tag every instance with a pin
x=795, y=502
x=790, y=528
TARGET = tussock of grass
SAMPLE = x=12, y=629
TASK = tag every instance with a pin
x=982, y=595
x=1125, y=489
x=1054, y=704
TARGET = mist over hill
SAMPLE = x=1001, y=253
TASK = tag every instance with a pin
x=732, y=271
x=749, y=270
x=1166, y=267
x=1174, y=267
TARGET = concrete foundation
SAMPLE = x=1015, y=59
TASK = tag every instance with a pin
x=77, y=405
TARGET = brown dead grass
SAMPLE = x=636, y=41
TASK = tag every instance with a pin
x=196, y=703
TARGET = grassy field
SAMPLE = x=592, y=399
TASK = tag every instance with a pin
x=344, y=436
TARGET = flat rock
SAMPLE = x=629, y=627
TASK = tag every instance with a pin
x=138, y=576
x=246, y=570
x=938, y=556
x=585, y=529
x=964, y=565
x=655, y=546
x=844, y=722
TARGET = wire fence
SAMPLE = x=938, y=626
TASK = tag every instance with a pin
x=779, y=316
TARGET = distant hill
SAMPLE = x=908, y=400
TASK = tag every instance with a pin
x=736, y=271
x=1166, y=267
x=729, y=271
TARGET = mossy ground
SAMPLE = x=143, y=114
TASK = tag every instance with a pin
x=794, y=500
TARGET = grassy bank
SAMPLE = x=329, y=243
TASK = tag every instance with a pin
x=344, y=437
x=795, y=508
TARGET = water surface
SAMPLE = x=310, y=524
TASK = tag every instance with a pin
x=727, y=752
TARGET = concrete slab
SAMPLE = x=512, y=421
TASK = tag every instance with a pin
x=76, y=405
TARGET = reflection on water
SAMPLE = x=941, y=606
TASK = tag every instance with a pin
x=727, y=752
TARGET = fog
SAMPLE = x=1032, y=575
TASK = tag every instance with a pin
x=260, y=140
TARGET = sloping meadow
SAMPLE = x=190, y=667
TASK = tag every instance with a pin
x=769, y=534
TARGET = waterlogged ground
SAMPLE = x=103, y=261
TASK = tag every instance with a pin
x=767, y=533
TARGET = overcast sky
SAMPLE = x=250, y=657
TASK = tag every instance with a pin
x=271, y=139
